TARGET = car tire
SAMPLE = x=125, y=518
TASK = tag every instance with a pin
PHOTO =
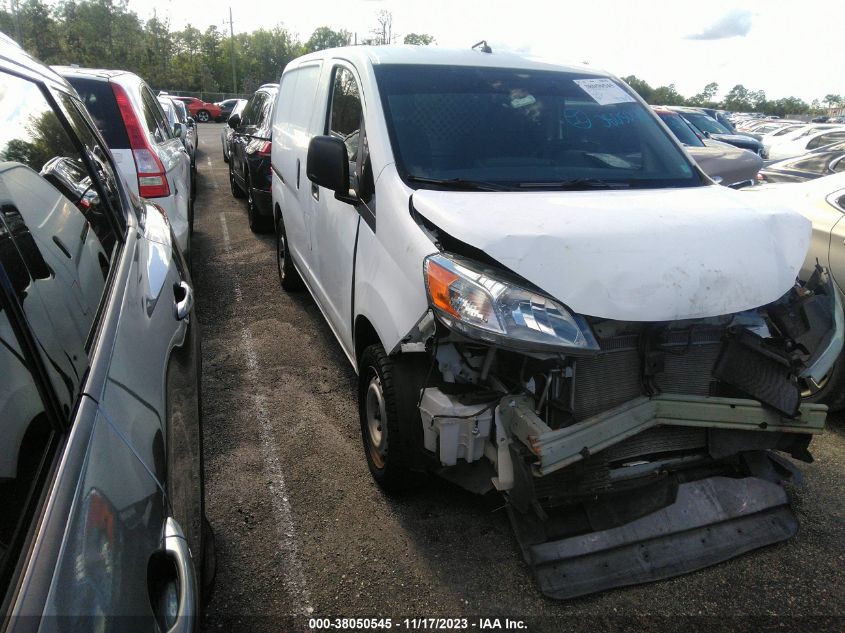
x=391, y=429
x=237, y=192
x=289, y=277
x=257, y=222
x=203, y=116
x=225, y=155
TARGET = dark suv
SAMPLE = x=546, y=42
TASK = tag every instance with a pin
x=103, y=524
x=249, y=156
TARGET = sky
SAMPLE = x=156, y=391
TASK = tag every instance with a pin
x=784, y=48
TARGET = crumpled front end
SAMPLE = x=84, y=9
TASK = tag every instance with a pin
x=642, y=450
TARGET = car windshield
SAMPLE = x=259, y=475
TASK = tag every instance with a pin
x=706, y=123
x=524, y=128
x=681, y=129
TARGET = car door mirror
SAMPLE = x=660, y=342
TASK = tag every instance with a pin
x=191, y=122
x=235, y=121
x=706, y=134
x=178, y=130
x=328, y=166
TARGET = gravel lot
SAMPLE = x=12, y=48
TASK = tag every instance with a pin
x=302, y=530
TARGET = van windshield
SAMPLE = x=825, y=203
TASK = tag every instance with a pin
x=513, y=128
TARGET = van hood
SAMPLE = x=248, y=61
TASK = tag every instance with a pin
x=635, y=255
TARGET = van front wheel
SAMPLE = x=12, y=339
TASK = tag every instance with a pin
x=391, y=429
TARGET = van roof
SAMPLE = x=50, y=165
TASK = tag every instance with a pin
x=434, y=55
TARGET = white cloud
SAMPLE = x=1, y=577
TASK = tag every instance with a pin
x=735, y=23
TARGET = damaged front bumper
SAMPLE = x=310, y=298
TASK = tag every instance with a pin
x=558, y=448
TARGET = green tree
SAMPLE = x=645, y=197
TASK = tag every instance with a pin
x=419, y=39
x=737, y=99
x=324, y=37
x=640, y=86
x=705, y=97
x=666, y=95
x=833, y=100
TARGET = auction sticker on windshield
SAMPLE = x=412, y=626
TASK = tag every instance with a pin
x=604, y=91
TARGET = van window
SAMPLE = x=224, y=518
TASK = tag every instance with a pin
x=345, y=112
x=524, y=129
x=302, y=86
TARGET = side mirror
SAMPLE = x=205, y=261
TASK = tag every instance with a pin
x=178, y=130
x=191, y=122
x=706, y=134
x=328, y=166
x=235, y=121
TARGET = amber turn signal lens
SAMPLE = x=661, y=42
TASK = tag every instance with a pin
x=439, y=279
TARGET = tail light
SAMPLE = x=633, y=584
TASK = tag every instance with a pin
x=264, y=148
x=152, y=178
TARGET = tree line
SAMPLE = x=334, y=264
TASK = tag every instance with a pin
x=97, y=33
x=105, y=33
x=738, y=99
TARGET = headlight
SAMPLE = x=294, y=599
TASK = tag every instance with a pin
x=484, y=307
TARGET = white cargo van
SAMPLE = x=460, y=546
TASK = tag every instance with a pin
x=542, y=293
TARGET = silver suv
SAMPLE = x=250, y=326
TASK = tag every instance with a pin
x=100, y=464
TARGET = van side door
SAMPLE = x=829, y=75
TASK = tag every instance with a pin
x=296, y=119
x=335, y=223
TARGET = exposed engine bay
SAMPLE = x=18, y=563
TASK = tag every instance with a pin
x=661, y=433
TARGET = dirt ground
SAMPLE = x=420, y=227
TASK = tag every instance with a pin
x=303, y=532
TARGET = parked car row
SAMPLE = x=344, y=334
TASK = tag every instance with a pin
x=568, y=311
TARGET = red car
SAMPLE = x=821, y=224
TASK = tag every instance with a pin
x=201, y=110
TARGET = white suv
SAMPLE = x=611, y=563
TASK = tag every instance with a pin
x=541, y=292
x=148, y=151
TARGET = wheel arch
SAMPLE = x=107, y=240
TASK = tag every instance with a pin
x=364, y=335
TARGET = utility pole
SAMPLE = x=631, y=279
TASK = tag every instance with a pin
x=232, y=52
x=17, y=22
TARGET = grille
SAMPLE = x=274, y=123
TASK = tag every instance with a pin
x=614, y=376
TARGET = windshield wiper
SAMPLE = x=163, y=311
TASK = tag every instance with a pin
x=575, y=183
x=460, y=183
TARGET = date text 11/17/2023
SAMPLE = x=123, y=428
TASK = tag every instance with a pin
x=417, y=624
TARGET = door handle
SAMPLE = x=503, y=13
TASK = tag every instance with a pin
x=177, y=547
x=297, y=173
x=315, y=191
x=183, y=298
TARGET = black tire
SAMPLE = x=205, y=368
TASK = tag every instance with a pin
x=289, y=278
x=391, y=429
x=257, y=222
x=237, y=192
x=225, y=157
x=832, y=389
x=203, y=116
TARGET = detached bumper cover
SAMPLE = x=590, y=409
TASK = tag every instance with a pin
x=558, y=448
x=711, y=520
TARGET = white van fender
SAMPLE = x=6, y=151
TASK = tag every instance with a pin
x=389, y=284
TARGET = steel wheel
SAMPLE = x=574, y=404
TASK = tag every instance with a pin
x=376, y=421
